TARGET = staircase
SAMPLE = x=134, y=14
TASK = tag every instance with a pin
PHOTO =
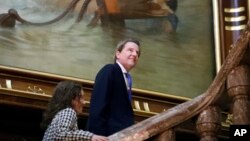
x=159, y=116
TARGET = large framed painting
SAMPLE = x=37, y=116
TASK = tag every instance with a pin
x=177, y=39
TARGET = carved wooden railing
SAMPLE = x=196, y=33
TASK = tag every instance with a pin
x=208, y=123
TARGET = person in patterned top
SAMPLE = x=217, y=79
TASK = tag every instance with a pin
x=60, y=118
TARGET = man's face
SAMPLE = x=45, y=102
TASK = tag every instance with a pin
x=129, y=55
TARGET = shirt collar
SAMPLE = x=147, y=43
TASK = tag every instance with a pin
x=121, y=66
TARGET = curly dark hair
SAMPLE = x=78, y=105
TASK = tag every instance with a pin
x=64, y=93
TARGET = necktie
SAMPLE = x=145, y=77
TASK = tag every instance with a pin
x=129, y=80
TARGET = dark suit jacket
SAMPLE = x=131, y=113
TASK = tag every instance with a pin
x=110, y=108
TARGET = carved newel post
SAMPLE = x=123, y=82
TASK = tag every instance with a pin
x=238, y=87
x=209, y=123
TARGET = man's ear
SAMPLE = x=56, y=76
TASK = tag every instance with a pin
x=117, y=53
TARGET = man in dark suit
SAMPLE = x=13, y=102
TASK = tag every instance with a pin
x=110, y=104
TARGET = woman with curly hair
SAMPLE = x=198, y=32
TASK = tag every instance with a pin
x=60, y=118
